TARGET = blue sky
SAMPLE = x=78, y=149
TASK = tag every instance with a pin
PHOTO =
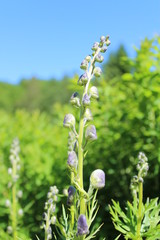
x=50, y=38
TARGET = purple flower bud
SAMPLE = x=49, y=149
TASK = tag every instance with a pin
x=94, y=92
x=72, y=159
x=97, y=179
x=84, y=64
x=86, y=100
x=99, y=58
x=97, y=71
x=104, y=49
x=82, y=226
x=71, y=194
x=83, y=79
x=95, y=46
x=75, y=100
x=69, y=121
x=90, y=133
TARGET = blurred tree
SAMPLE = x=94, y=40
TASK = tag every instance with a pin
x=117, y=64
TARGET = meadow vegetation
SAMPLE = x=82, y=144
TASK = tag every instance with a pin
x=127, y=120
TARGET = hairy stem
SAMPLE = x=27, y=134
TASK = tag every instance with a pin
x=139, y=216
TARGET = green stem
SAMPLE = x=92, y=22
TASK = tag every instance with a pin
x=139, y=216
x=72, y=207
x=80, y=163
x=14, y=204
x=14, y=212
x=47, y=224
x=80, y=138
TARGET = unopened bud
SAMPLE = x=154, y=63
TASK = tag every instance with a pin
x=20, y=212
x=83, y=79
x=53, y=220
x=104, y=49
x=84, y=64
x=86, y=100
x=44, y=216
x=9, y=171
x=88, y=115
x=90, y=133
x=65, y=192
x=75, y=100
x=140, y=179
x=94, y=92
x=71, y=194
x=108, y=42
x=19, y=194
x=97, y=71
x=82, y=226
x=9, y=229
x=8, y=203
x=97, y=179
x=53, y=208
x=99, y=58
x=54, y=190
x=69, y=121
x=95, y=46
x=88, y=58
x=103, y=39
x=72, y=159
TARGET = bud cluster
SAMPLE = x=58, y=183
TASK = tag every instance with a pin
x=15, y=162
x=13, y=172
x=85, y=135
x=49, y=216
x=142, y=167
x=82, y=205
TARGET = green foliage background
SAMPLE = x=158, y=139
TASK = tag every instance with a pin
x=127, y=118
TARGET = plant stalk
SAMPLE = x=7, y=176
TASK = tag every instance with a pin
x=80, y=162
x=14, y=212
x=72, y=207
x=139, y=216
x=80, y=139
x=14, y=204
x=47, y=224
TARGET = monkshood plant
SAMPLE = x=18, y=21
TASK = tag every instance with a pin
x=140, y=220
x=76, y=222
x=13, y=205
